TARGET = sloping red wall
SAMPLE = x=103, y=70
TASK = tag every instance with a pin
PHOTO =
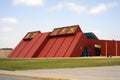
x=62, y=42
x=47, y=47
x=31, y=47
x=37, y=47
x=18, y=49
x=21, y=47
x=66, y=46
x=76, y=47
x=80, y=47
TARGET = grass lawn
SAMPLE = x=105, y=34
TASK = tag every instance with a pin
x=30, y=64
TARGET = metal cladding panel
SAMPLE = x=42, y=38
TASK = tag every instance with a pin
x=73, y=45
x=55, y=47
x=15, y=49
x=118, y=48
x=111, y=48
x=91, y=46
x=103, y=47
x=80, y=47
x=108, y=47
x=26, y=49
x=38, y=46
x=47, y=47
x=19, y=50
x=64, y=47
x=24, y=42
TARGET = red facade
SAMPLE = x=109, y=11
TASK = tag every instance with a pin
x=107, y=47
x=67, y=41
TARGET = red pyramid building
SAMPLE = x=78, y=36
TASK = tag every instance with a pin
x=67, y=41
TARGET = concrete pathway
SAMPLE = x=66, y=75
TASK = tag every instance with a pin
x=94, y=73
x=5, y=77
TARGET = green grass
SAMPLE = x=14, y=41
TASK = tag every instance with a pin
x=30, y=64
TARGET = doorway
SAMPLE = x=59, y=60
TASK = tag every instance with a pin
x=97, y=49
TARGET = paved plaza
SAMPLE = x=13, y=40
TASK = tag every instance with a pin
x=93, y=73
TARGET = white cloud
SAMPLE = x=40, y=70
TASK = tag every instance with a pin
x=98, y=9
x=28, y=2
x=57, y=7
x=113, y=4
x=102, y=7
x=9, y=20
x=79, y=8
x=76, y=8
x=6, y=29
x=70, y=6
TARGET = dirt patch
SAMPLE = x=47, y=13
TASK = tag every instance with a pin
x=4, y=52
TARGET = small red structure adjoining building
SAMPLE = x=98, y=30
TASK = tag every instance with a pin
x=67, y=41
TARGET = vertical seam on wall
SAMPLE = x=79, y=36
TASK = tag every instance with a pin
x=106, y=48
x=33, y=45
x=50, y=48
x=69, y=47
x=22, y=48
x=59, y=46
x=16, y=48
x=116, y=48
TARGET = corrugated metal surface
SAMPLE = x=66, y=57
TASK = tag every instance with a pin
x=67, y=41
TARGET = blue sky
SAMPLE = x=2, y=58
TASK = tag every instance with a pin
x=17, y=17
